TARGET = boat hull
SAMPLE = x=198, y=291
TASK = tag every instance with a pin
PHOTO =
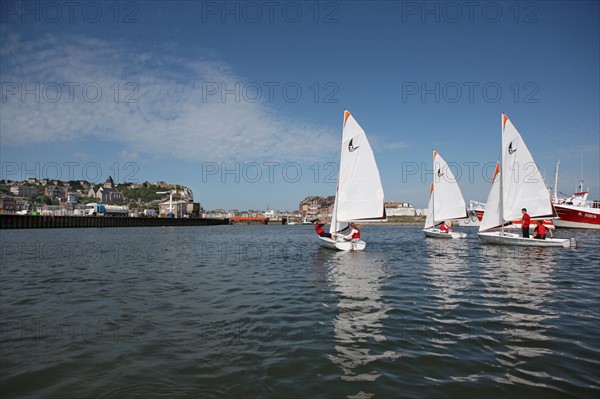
x=343, y=245
x=577, y=217
x=437, y=233
x=503, y=238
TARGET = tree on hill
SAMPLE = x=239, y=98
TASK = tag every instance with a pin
x=147, y=194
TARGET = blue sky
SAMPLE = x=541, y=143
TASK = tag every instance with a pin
x=243, y=101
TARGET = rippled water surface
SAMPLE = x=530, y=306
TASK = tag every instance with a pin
x=262, y=311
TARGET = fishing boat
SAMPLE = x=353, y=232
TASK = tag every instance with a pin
x=576, y=211
x=518, y=186
x=359, y=194
x=445, y=201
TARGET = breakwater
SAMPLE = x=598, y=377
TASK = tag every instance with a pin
x=41, y=222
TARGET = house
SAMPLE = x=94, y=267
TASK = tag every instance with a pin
x=24, y=191
x=107, y=194
x=55, y=192
x=8, y=205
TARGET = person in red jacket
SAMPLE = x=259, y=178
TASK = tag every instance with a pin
x=444, y=228
x=525, y=223
x=321, y=231
x=540, y=231
x=354, y=233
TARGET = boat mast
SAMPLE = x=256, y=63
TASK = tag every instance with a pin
x=333, y=226
x=433, y=191
x=501, y=213
x=581, y=175
x=556, y=181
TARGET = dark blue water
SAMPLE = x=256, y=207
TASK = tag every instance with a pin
x=262, y=311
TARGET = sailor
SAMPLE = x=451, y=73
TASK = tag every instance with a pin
x=540, y=231
x=444, y=228
x=321, y=231
x=525, y=223
x=354, y=234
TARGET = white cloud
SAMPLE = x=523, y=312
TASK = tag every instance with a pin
x=153, y=102
x=129, y=156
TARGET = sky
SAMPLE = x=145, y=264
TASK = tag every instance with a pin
x=243, y=101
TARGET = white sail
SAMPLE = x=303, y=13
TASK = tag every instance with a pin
x=519, y=186
x=492, y=217
x=359, y=195
x=522, y=184
x=448, y=201
x=429, y=222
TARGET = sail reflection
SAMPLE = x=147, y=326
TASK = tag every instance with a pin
x=358, y=326
x=448, y=271
x=518, y=285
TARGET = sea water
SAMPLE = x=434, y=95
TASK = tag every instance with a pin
x=264, y=312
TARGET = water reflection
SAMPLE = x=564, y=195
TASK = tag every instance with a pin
x=357, y=277
x=448, y=270
x=518, y=291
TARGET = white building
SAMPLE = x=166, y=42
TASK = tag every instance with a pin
x=400, y=209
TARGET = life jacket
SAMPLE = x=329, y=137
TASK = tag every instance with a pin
x=444, y=228
x=541, y=229
x=526, y=219
x=356, y=234
x=319, y=228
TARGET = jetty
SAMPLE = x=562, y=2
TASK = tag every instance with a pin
x=44, y=222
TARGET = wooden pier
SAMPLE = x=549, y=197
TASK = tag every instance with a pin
x=58, y=222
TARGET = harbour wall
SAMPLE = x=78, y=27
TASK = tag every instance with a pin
x=43, y=222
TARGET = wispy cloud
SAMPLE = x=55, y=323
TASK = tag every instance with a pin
x=59, y=89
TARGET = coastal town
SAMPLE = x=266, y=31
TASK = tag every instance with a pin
x=159, y=199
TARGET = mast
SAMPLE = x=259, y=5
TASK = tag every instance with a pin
x=581, y=175
x=333, y=223
x=501, y=213
x=433, y=191
x=556, y=181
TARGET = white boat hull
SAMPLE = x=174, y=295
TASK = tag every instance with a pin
x=504, y=238
x=437, y=233
x=342, y=245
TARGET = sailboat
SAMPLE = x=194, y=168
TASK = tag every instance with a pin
x=445, y=200
x=519, y=185
x=359, y=194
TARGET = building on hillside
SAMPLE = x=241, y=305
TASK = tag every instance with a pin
x=8, y=205
x=24, y=191
x=72, y=197
x=107, y=194
x=313, y=206
x=55, y=192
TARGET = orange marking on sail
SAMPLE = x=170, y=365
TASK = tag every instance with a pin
x=434, y=153
x=504, y=119
x=496, y=171
x=430, y=189
x=346, y=115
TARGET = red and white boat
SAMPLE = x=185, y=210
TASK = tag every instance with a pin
x=576, y=211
